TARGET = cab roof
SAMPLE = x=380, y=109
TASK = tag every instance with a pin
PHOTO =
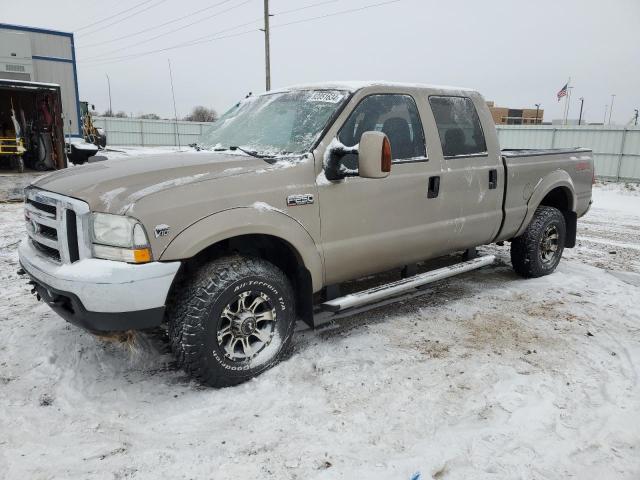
x=354, y=85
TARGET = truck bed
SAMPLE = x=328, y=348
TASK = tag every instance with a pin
x=526, y=169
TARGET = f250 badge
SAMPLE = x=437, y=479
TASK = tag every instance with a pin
x=296, y=200
x=161, y=230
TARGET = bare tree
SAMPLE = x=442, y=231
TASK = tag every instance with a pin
x=149, y=116
x=202, y=114
x=121, y=114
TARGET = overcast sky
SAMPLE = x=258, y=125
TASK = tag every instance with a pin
x=516, y=53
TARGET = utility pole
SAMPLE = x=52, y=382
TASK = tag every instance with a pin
x=109, y=84
x=581, y=105
x=175, y=110
x=604, y=120
x=537, y=111
x=613, y=97
x=267, y=50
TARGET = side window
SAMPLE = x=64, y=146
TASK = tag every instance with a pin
x=396, y=116
x=458, y=126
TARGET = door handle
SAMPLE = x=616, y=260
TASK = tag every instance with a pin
x=434, y=187
x=493, y=179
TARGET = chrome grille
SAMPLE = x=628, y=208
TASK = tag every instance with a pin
x=57, y=226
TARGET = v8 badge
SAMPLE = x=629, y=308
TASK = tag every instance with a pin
x=161, y=230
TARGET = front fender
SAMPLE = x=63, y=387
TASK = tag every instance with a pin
x=245, y=221
x=555, y=179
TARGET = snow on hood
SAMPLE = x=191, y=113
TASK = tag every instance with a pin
x=115, y=185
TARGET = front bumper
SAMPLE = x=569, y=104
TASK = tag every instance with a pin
x=101, y=295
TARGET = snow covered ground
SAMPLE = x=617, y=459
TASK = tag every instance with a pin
x=486, y=376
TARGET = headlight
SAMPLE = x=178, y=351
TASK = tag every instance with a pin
x=116, y=237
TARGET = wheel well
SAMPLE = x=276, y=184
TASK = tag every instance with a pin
x=560, y=198
x=268, y=247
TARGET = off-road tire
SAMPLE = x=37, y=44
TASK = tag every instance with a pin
x=77, y=157
x=526, y=250
x=194, y=317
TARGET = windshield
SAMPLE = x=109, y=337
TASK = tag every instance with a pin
x=275, y=124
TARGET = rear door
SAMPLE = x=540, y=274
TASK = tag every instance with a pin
x=472, y=176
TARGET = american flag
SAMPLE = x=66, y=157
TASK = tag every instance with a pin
x=563, y=91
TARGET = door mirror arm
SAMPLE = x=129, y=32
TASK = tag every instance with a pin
x=374, y=158
x=334, y=169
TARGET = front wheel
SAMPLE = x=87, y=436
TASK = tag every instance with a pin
x=232, y=321
x=538, y=250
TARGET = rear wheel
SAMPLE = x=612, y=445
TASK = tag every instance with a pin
x=233, y=321
x=538, y=250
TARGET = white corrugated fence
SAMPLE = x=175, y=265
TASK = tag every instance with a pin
x=150, y=133
x=616, y=150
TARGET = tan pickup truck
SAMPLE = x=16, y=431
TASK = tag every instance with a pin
x=292, y=193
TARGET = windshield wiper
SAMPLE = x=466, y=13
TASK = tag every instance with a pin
x=253, y=153
x=263, y=156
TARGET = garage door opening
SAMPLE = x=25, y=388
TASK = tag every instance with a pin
x=31, y=126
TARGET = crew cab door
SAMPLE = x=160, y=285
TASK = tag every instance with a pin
x=472, y=184
x=370, y=225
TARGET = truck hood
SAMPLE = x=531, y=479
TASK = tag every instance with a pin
x=113, y=186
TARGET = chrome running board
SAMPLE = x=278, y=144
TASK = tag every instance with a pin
x=331, y=308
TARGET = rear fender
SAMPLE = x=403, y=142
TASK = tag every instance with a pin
x=246, y=221
x=555, y=179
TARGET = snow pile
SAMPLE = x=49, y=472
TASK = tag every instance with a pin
x=484, y=376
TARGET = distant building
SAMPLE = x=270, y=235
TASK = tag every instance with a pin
x=38, y=55
x=515, y=116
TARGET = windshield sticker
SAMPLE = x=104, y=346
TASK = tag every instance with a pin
x=329, y=97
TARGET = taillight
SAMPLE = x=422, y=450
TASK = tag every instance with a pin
x=386, y=156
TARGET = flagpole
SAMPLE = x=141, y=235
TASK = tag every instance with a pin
x=566, y=102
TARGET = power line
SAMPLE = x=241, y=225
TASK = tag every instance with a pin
x=196, y=41
x=155, y=26
x=284, y=12
x=214, y=37
x=187, y=44
x=102, y=27
x=351, y=10
x=114, y=15
x=179, y=28
x=305, y=7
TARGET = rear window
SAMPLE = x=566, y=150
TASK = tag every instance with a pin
x=458, y=126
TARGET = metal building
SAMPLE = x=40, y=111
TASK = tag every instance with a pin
x=47, y=56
